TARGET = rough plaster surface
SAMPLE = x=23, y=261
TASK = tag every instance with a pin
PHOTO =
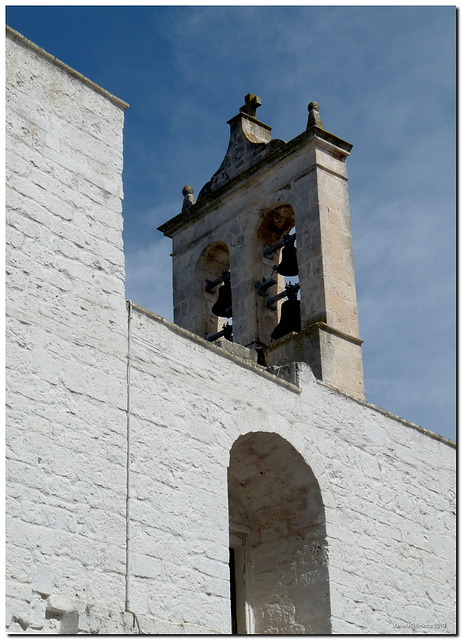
x=381, y=501
x=65, y=347
x=387, y=489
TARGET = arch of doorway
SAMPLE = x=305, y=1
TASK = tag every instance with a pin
x=277, y=530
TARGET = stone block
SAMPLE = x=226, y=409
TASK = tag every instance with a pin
x=44, y=581
x=147, y=566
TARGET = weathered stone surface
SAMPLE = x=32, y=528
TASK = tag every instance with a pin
x=314, y=118
x=250, y=141
x=189, y=199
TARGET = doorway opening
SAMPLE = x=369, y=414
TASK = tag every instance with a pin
x=280, y=577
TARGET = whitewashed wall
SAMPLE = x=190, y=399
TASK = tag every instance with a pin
x=65, y=347
x=387, y=487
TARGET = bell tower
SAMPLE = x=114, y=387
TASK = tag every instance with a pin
x=264, y=256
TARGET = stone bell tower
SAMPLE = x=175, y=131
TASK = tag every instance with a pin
x=265, y=195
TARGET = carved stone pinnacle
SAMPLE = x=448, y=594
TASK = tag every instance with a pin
x=314, y=119
x=189, y=199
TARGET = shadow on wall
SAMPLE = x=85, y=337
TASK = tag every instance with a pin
x=279, y=572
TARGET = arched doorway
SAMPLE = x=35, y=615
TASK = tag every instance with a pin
x=279, y=569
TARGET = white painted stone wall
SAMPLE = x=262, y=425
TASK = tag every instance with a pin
x=65, y=348
x=387, y=487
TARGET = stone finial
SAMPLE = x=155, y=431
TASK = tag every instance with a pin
x=251, y=105
x=189, y=199
x=314, y=119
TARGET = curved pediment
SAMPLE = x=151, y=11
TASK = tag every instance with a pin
x=249, y=142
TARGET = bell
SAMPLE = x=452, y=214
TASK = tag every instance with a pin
x=290, y=314
x=223, y=305
x=288, y=265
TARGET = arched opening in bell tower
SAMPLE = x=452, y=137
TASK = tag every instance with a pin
x=279, y=579
x=276, y=259
x=213, y=309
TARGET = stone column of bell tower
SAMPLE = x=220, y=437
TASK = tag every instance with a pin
x=263, y=190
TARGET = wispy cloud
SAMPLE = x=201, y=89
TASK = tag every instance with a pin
x=149, y=277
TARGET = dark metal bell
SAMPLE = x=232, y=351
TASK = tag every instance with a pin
x=288, y=265
x=290, y=315
x=223, y=305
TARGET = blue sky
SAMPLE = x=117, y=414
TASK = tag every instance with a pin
x=385, y=81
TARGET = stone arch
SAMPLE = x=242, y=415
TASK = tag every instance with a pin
x=275, y=505
x=213, y=260
x=274, y=222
